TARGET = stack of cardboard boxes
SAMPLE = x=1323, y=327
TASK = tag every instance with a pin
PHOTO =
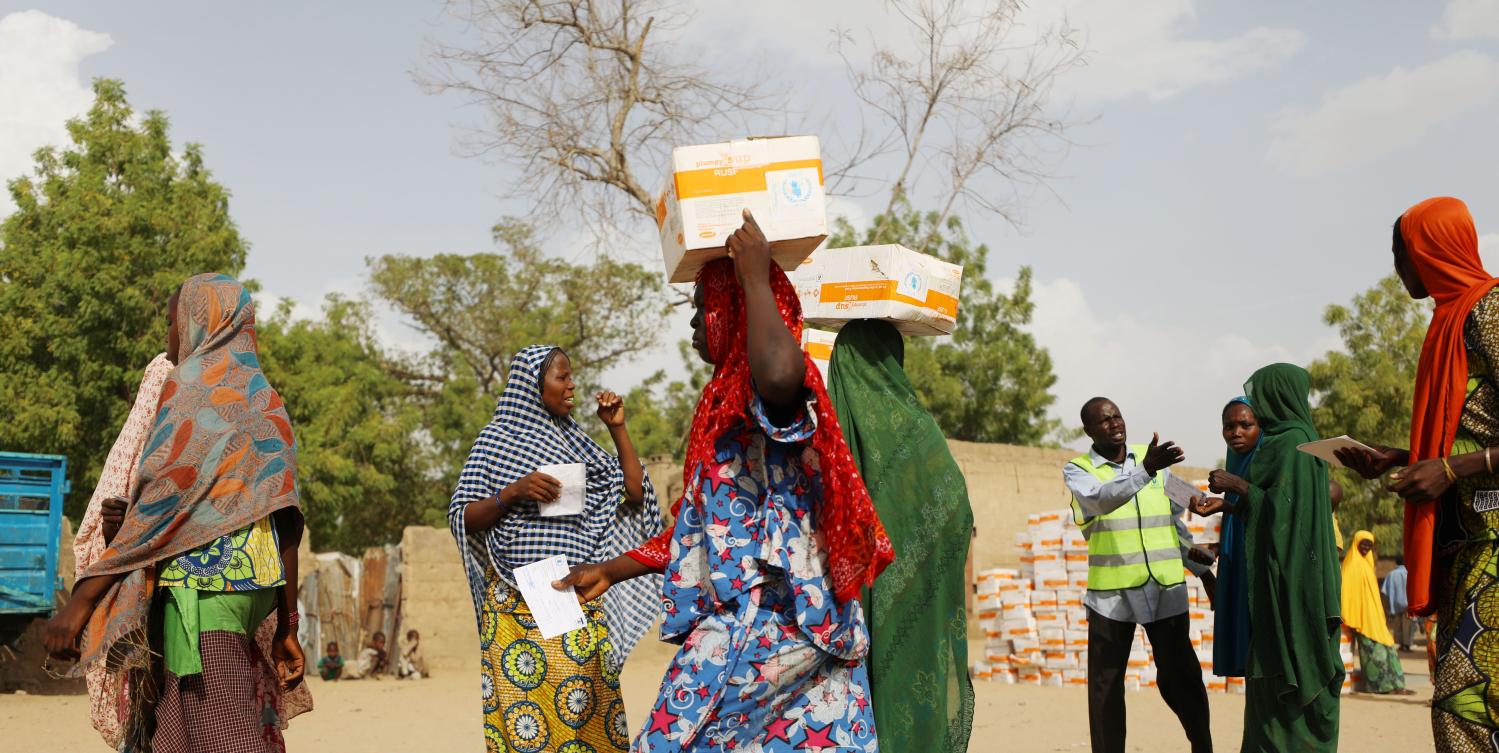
x=1035, y=625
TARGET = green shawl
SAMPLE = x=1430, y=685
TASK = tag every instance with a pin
x=1294, y=582
x=918, y=657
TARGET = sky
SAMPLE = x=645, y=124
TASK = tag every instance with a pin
x=1235, y=167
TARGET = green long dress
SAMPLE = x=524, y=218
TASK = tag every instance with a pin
x=918, y=656
x=1295, y=674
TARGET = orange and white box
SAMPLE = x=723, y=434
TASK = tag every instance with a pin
x=1044, y=599
x=1078, y=581
x=1052, y=580
x=1077, y=563
x=709, y=187
x=1014, y=597
x=818, y=344
x=915, y=292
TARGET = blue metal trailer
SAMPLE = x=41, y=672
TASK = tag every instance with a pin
x=31, y=496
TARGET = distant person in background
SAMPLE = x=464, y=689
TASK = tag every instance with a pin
x=412, y=664
x=1395, y=604
x=1138, y=550
x=918, y=654
x=1449, y=483
x=1364, y=616
x=331, y=666
x=1294, y=674
x=1241, y=432
x=118, y=483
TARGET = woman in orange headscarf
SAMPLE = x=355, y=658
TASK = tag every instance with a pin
x=1450, y=485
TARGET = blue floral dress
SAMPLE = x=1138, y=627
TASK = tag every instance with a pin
x=769, y=658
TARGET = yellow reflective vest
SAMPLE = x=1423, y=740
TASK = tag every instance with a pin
x=1137, y=541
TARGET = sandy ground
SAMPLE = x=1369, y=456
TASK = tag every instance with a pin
x=442, y=714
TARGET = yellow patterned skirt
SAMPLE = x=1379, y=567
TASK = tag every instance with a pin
x=548, y=695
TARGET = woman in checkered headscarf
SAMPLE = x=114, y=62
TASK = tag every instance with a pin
x=543, y=693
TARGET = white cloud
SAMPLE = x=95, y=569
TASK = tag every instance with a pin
x=1142, y=48
x=40, y=87
x=1468, y=19
x=1136, y=48
x=1159, y=385
x=1380, y=114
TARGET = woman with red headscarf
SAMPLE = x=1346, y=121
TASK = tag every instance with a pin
x=774, y=537
x=1450, y=485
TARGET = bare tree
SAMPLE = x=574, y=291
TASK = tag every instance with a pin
x=586, y=98
x=968, y=92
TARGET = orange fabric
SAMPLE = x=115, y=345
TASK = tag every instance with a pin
x=1442, y=245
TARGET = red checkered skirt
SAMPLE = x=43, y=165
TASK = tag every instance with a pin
x=222, y=710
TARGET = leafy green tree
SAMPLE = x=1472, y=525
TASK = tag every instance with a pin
x=1364, y=391
x=105, y=229
x=482, y=308
x=990, y=381
x=362, y=469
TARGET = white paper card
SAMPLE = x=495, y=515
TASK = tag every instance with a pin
x=574, y=479
x=556, y=612
x=1181, y=491
x=1324, y=448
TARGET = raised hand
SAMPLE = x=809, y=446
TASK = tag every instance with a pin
x=1158, y=455
x=750, y=251
x=611, y=409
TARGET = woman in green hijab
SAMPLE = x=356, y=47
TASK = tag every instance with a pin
x=1295, y=674
x=918, y=656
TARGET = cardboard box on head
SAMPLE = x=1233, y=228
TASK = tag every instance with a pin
x=818, y=344
x=915, y=292
x=708, y=188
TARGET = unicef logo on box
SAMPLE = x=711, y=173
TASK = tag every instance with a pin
x=912, y=284
x=796, y=189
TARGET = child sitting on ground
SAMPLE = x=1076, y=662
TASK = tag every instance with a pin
x=331, y=666
x=412, y=665
x=371, y=662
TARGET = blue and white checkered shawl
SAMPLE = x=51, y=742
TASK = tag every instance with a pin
x=521, y=437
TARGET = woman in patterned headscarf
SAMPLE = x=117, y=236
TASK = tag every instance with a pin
x=918, y=657
x=211, y=538
x=773, y=540
x=560, y=693
x=1450, y=486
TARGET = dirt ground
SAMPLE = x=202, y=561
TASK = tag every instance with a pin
x=442, y=714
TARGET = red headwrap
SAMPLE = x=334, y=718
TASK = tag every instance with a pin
x=858, y=549
x=1442, y=245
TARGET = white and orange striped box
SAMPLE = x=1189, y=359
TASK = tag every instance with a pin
x=709, y=186
x=915, y=292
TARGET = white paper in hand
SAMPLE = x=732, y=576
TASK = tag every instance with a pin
x=556, y=612
x=574, y=480
x=1180, y=491
x=1324, y=448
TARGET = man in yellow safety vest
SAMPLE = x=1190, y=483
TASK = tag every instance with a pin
x=1138, y=548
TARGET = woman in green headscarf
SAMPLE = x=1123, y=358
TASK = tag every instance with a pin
x=1295, y=674
x=918, y=656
